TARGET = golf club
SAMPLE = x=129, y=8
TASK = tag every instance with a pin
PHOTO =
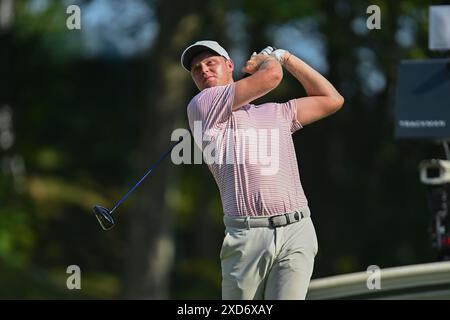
x=104, y=216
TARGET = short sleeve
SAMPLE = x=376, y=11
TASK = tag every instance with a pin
x=211, y=107
x=289, y=111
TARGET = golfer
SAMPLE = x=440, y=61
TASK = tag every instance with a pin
x=270, y=243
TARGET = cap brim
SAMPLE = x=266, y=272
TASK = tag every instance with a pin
x=191, y=52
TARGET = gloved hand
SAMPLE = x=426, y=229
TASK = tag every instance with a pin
x=256, y=59
x=267, y=50
x=281, y=55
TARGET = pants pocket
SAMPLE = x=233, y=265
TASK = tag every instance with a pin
x=233, y=242
x=316, y=242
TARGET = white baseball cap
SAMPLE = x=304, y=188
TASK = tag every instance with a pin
x=198, y=47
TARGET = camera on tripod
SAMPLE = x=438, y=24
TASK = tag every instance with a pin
x=435, y=174
x=422, y=113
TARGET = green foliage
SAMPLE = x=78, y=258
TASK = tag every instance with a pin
x=17, y=237
x=47, y=22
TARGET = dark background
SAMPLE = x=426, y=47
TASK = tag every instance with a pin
x=83, y=114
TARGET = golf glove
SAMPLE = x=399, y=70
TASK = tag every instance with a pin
x=266, y=51
x=281, y=55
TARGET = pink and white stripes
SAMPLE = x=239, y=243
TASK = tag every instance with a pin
x=255, y=163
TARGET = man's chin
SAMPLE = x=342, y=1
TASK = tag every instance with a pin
x=210, y=84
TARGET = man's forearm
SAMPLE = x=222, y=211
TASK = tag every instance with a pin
x=314, y=83
x=266, y=74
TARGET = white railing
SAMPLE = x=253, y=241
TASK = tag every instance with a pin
x=421, y=281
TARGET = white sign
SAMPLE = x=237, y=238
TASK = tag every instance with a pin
x=439, y=37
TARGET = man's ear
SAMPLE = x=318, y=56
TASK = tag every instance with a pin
x=230, y=64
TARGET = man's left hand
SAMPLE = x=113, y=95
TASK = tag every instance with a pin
x=281, y=55
x=256, y=59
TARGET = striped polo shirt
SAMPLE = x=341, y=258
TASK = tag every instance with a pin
x=249, y=151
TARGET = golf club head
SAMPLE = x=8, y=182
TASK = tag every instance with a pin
x=104, y=217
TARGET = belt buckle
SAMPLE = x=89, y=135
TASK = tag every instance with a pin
x=272, y=223
x=287, y=219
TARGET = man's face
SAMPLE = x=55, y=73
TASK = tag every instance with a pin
x=209, y=70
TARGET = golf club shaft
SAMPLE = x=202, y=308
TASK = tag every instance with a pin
x=147, y=173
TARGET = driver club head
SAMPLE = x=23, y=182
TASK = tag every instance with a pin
x=104, y=217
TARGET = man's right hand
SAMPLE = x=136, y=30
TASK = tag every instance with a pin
x=254, y=62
